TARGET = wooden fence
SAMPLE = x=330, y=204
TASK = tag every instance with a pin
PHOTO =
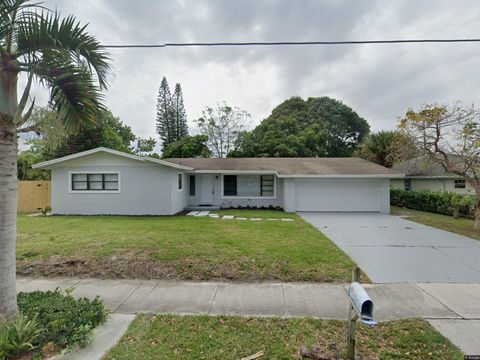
x=33, y=195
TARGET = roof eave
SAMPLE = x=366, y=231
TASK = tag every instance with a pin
x=344, y=176
x=48, y=164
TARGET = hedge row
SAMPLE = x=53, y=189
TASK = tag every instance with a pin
x=433, y=201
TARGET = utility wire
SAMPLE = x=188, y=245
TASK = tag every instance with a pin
x=294, y=43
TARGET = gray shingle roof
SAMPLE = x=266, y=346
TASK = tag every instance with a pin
x=290, y=166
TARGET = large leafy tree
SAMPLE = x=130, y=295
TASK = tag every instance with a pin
x=313, y=127
x=61, y=55
x=222, y=126
x=188, y=147
x=448, y=135
x=107, y=131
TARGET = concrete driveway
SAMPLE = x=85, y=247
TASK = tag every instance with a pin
x=390, y=249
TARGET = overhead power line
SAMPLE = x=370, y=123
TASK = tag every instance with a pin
x=293, y=43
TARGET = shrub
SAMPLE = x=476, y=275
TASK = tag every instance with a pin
x=65, y=321
x=19, y=336
x=434, y=201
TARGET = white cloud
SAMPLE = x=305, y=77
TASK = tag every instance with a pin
x=380, y=82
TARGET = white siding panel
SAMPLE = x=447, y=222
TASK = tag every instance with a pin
x=341, y=195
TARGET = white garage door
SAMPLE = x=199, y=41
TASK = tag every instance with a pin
x=337, y=195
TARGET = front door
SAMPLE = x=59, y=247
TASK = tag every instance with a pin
x=207, y=189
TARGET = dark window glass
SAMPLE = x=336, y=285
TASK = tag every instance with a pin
x=460, y=184
x=192, y=185
x=95, y=182
x=266, y=185
x=408, y=184
x=230, y=185
x=180, y=181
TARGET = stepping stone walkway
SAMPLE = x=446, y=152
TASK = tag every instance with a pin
x=198, y=213
x=231, y=217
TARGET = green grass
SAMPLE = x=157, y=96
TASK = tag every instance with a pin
x=181, y=247
x=202, y=337
x=444, y=222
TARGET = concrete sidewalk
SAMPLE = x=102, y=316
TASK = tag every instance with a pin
x=449, y=307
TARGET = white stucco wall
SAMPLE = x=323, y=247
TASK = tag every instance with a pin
x=440, y=184
x=145, y=188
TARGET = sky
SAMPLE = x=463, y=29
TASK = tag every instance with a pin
x=380, y=82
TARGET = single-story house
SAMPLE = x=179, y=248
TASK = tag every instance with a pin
x=105, y=181
x=423, y=174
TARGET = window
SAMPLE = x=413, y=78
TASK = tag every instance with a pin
x=230, y=185
x=408, y=184
x=95, y=182
x=460, y=184
x=180, y=182
x=249, y=185
x=192, y=185
x=266, y=185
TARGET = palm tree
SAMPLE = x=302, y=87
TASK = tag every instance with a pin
x=58, y=53
x=378, y=147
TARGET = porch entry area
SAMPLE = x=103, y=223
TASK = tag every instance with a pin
x=207, y=189
x=213, y=190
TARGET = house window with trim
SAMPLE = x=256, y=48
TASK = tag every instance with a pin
x=95, y=182
x=460, y=184
x=408, y=184
x=180, y=182
x=248, y=186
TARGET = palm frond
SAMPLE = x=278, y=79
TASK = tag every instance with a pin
x=12, y=13
x=73, y=92
x=44, y=33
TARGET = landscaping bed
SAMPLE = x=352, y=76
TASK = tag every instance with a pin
x=49, y=322
x=202, y=337
x=179, y=247
x=460, y=226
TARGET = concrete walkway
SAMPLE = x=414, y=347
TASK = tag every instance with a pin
x=449, y=307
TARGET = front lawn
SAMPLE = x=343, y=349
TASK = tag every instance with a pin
x=179, y=247
x=444, y=222
x=202, y=337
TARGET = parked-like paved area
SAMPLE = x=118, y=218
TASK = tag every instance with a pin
x=454, y=309
x=390, y=249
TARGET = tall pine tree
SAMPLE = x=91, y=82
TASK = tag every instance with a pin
x=179, y=113
x=165, y=115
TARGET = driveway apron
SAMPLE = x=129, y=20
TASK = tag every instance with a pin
x=390, y=249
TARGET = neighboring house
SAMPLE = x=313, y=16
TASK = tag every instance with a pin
x=422, y=174
x=104, y=181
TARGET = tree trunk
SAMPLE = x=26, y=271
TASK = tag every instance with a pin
x=477, y=214
x=8, y=188
x=8, y=221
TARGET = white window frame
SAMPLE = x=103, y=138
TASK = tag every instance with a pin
x=250, y=197
x=183, y=182
x=70, y=182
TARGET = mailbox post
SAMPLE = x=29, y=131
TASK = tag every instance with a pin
x=359, y=306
